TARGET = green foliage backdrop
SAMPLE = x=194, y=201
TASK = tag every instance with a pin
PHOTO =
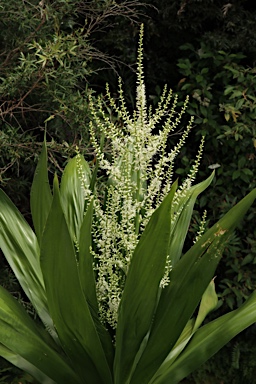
x=52, y=54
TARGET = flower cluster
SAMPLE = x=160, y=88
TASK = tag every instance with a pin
x=139, y=171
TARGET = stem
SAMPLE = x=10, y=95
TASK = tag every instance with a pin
x=137, y=217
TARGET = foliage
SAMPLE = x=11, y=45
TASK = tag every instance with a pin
x=224, y=25
x=235, y=364
x=222, y=93
x=104, y=268
x=48, y=52
x=235, y=100
x=216, y=26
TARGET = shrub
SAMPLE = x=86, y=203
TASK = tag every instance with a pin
x=222, y=100
x=47, y=57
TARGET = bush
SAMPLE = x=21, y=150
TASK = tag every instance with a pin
x=48, y=55
x=222, y=98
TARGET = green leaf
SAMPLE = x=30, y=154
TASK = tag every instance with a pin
x=236, y=93
x=33, y=346
x=236, y=174
x=20, y=247
x=189, y=279
x=184, y=65
x=75, y=180
x=181, y=224
x=241, y=162
x=141, y=289
x=67, y=303
x=227, y=116
x=87, y=280
x=208, y=303
x=41, y=196
x=85, y=261
x=204, y=111
x=175, y=352
x=239, y=103
x=247, y=171
x=210, y=339
x=24, y=365
x=248, y=259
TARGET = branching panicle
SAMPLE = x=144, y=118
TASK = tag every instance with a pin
x=202, y=226
x=139, y=172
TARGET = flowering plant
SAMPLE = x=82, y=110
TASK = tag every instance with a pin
x=104, y=270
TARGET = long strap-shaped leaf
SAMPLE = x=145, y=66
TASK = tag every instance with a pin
x=189, y=279
x=75, y=179
x=87, y=279
x=20, y=334
x=20, y=247
x=85, y=262
x=208, y=303
x=210, y=339
x=24, y=365
x=141, y=289
x=41, y=196
x=182, y=219
x=67, y=303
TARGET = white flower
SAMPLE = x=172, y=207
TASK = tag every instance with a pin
x=139, y=171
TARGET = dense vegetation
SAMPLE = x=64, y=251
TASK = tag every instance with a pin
x=54, y=54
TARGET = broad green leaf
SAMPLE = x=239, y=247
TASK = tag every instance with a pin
x=67, y=303
x=74, y=183
x=189, y=279
x=41, y=196
x=181, y=223
x=208, y=303
x=141, y=289
x=87, y=280
x=24, y=365
x=20, y=247
x=210, y=339
x=22, y=336
x=85, y=261
x=183, y=340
